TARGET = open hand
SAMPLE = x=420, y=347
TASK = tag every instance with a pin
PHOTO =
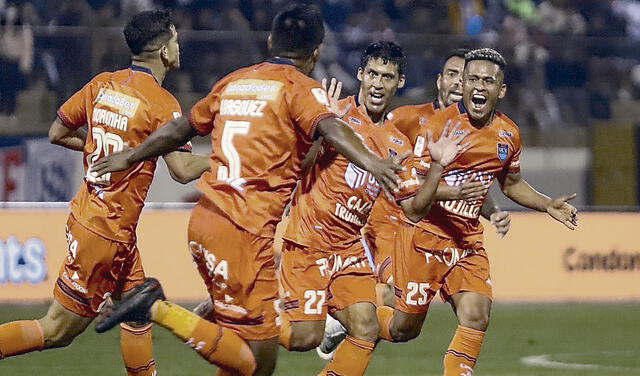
x=564, y=212
x=333, y=92
x=472, y=190
x=447, y=148
x=384, y=170
x=118, y=161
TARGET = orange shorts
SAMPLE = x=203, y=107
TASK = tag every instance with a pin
x=381, y=239
x=420, y=272
x=315, y=281
x=239, y=271
x=95, y=269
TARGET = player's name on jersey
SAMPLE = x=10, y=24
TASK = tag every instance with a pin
x=242, y=107
x=462, y=208
x=110, y=119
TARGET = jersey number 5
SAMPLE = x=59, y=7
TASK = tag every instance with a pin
x=231, y=173
x=106, y=143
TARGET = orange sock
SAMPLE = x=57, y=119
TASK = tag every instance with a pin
x=351, y=359
x=463, y=352
x=385, y=314
x=218, y=345
x=285, y=332
x=20, y=337
x=136, y=347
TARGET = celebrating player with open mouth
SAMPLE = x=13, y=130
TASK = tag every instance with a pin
x=324, y=265
x=412, y=121
x=445, y=252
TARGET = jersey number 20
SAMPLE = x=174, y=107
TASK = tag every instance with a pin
x=106, y=143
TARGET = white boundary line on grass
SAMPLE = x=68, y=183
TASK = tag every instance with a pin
x=545, y=361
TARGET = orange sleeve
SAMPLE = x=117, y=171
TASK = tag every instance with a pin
x=204, y=113
x=73, y=113
x=308, y=105
x=514, y=163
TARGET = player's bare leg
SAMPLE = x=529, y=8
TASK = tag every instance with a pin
x=266, y=354
x=354, y=354
x=61, y=326
x=398, y=326
x=473, y=311
x=360, y=321
x=57, y=328
x=304, y=335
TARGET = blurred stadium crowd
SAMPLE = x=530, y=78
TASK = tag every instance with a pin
x=570, y=61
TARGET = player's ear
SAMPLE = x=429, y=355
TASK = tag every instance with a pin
x=503, y=91
x=360, y=74
x=164, y=53
x=401, y=81
x=439, y=81
x=269, y=43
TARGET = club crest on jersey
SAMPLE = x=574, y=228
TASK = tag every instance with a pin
x=354, y=120
x=393, y=153
x=503, y=152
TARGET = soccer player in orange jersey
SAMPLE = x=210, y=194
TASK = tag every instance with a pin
x=445, y=251
x=324, y=266
x=412, y=121
x=121, y=109
x=263, y=120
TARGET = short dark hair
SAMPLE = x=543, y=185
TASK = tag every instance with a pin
x=458, y=52
x=297, y=31
x=486, y=54
x=387, y=51
x=147, y=27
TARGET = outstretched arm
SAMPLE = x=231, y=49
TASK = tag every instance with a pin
x=166, y=139
x=60, y=134
x=518, y=190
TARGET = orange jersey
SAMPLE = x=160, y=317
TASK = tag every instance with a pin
x=409, y=120
x=120, y=108
x=262, y=121
x=494, y=149
x=333, y=201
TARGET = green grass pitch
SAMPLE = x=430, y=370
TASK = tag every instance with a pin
x=603, y=338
